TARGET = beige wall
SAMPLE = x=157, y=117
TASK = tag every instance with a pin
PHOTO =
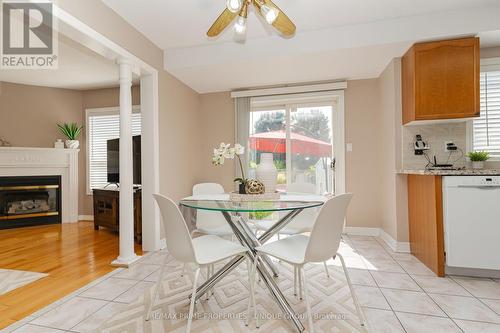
x=31, y=122
x=490, y=52
x=393, y=186
x=363, y=165
x=29, y=114
x=217, y=125
x=180, y=139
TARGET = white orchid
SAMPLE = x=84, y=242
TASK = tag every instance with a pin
x=239, y=149
x=224, y=151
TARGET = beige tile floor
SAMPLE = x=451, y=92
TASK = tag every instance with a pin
x=397, y=292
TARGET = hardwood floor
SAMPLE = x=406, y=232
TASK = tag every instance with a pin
x=72, y=254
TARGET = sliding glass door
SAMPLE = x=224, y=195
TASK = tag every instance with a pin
x=301, y=136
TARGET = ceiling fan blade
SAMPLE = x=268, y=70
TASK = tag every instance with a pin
x=221, y=23
x=282, y=23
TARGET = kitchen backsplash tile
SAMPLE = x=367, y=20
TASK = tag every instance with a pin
x=435, y=136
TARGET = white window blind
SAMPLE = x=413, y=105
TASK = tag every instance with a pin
x=486, y=128
x=101, y=127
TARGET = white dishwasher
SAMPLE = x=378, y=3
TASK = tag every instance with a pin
x=471, y=211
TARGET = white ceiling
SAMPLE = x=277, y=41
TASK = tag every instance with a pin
x=335, y=39
x=79, y=68
x=174, y=24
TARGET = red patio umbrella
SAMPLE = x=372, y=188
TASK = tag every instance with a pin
x=275, y=142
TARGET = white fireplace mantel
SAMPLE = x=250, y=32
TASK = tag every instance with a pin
x=24, y=161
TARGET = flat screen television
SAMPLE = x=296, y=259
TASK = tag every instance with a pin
x=113, y=163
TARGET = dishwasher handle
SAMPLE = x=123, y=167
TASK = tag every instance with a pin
x=482, y=187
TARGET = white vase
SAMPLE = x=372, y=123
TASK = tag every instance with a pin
x=267, y=172
x=72, y=144
x=477, y=165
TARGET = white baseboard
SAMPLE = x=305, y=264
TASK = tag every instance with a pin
x=85, y=217
x=362, y=231
x=403, y=247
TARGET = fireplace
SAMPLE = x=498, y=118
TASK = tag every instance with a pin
x=29, y=201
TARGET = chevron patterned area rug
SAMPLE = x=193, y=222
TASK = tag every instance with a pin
x=225, y=311
x=12, y=279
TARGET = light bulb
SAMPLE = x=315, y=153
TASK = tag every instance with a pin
x=234, y=6
x=241, y=25
x=269, y=13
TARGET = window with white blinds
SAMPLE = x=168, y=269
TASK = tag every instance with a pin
x=103, y=125
x=486, y=128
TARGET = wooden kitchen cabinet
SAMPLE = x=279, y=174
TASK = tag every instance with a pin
x=425, y=216
x=440, y=80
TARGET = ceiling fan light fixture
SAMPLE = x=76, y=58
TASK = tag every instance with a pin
x=234, y=6
x=240, y=27
x=269, y=13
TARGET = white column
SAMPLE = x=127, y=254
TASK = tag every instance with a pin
x=127, y=255
x=150, y=163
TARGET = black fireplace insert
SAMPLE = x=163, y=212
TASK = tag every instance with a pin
x=29, y=201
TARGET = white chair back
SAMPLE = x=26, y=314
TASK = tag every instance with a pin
x=325, y=236
x=208, y=188
x=206, y=219
x=179, y=243
x=305, y=220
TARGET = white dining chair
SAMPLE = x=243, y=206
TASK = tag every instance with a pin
x=201, y=251
x=300, y=224
x=209, y=222
x=322, y=244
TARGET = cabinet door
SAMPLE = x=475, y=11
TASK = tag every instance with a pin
x=425, y=216
x=447, y=79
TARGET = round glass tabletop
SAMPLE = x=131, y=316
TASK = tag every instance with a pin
x=249, y=206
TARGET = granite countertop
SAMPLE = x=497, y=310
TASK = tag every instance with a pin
x=461, y=172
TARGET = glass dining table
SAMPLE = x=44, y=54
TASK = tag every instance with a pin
x=235, y=213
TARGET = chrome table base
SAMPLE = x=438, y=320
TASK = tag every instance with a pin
x=247, y=238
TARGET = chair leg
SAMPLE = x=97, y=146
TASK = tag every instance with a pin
x=351, y=289
x=308, y=302
x=299, y=284
x=209, y=274
x=212, y=270
x=326, y=269
x=157, y=288
x=193, y=296
x=295, y=277
x=183, y=270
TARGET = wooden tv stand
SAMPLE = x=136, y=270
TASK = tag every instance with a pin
x=107, y=208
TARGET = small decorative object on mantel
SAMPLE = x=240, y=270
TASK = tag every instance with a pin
x=225, y=151
x=267, y=172
x=4, y=143
x=478, y=158
x=59, y=144
x=72, y=132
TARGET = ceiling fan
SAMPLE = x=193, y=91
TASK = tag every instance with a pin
x=239, y=8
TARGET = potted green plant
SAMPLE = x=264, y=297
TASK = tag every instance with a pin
x=71, y=131
x=477, y=158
